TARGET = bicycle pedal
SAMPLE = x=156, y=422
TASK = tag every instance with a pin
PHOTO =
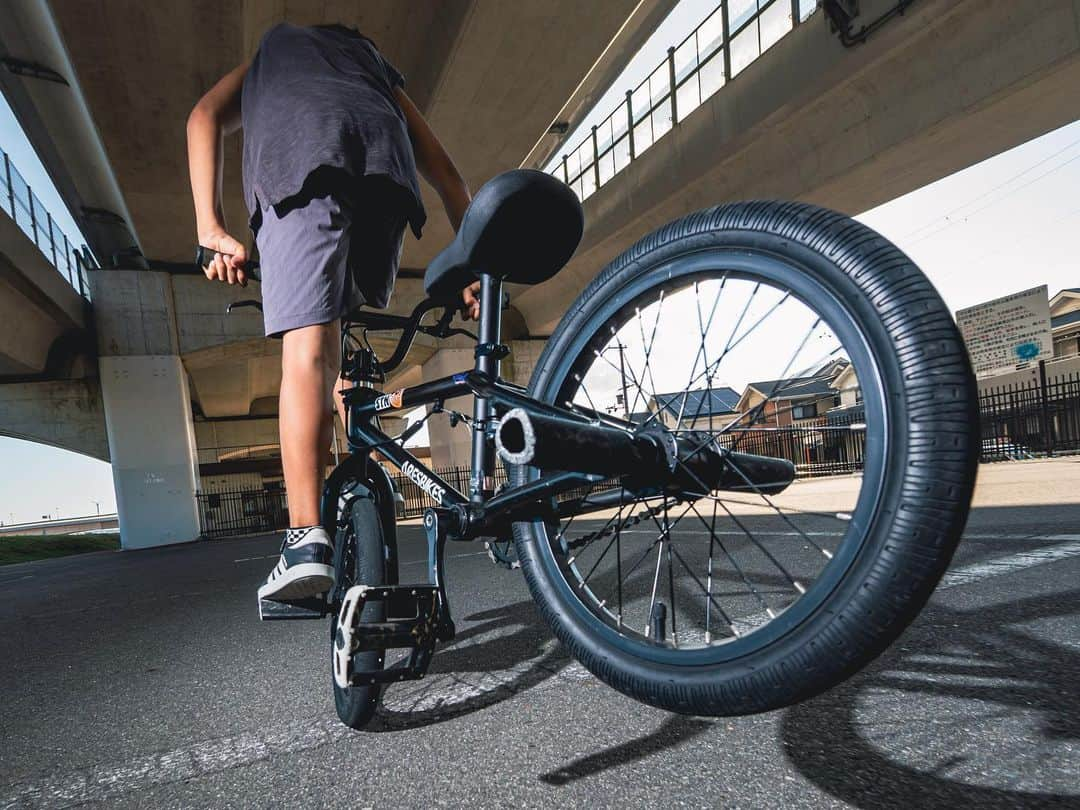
x=312, y=608
x=412, y=623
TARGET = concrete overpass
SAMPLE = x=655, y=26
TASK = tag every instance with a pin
x=947, y=84
x=73, y=525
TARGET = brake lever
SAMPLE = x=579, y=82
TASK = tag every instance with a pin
x=442, y=328
x=445, y=333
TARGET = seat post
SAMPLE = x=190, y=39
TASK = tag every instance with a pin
x=481, y=483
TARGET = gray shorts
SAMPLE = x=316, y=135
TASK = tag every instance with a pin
x=321, y=257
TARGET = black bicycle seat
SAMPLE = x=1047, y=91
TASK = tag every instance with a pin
x=522, y=226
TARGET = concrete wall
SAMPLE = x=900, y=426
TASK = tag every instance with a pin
x=37, y=304
x=1055, y=369
x=450, y=447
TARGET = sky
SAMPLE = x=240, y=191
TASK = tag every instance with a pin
x=1004, y=225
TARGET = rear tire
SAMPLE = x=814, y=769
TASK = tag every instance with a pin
x=366, y=562
x=923, y=492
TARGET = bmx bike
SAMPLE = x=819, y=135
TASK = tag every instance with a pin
x=669, y=494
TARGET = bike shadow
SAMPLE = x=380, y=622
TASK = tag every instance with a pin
x=674, y=731
x=920, y=690
x=504, y=651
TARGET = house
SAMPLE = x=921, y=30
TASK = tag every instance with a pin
x=700, y=409
x=1065, y=322
x=846, y=385
x=794, y=400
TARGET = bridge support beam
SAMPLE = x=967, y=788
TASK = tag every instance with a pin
x=152, y=446
x=144, y=389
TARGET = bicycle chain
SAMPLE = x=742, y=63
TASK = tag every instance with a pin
x=649, y=512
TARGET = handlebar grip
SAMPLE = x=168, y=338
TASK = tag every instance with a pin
x=204, y=256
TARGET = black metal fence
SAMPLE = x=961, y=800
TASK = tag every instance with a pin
x=1040, y=417
x=1023, y=420
x=831, y=445
x=234, y=513
x=414, y=500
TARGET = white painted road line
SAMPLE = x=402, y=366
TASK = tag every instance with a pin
x=16, y=579
x=201, y=759
x=1013, y=562
x=215, y=756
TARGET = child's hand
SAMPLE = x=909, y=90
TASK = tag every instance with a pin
x=470, y=297
x=229, y=258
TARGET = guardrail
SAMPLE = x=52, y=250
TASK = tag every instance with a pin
x=735, y=34
x=28, y=212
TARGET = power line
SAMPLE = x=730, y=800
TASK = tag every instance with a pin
x=987, y=193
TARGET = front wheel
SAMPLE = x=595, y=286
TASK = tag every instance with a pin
x=367, y=554
x=780, y=330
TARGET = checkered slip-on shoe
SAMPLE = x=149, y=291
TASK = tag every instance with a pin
x=305, y=567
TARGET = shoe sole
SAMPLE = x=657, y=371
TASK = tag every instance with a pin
x=299, y=582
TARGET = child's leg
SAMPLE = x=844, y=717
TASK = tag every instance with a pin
x=309, y=367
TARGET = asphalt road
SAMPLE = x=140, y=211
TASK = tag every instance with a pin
x=146, y=679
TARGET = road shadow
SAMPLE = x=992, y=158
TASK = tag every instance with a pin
x=508, y=650
x=673, y=732
x=982, y=655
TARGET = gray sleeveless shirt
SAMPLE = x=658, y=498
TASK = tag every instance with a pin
x=323, y=97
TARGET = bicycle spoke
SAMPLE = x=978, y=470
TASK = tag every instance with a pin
x=734, y=563
x=698, y=341
x=768, y=501
x=656, y=582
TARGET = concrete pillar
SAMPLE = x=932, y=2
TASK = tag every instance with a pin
x=518, y=367
x=450, y=447
x=152, y=447
x=147, y=405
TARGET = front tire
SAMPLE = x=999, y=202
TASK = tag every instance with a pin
x=915, y=488
x=365, y=562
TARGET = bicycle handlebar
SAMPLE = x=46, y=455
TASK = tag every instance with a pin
x=408, y=324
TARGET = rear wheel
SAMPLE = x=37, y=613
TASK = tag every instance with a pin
x=781, y=330
x=364, y=562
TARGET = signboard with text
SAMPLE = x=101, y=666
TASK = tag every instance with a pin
x=1006, y=332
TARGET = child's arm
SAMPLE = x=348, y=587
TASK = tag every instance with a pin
x=438, y=169
x=214, y=116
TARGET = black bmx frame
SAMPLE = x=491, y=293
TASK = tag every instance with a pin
x=480, y=512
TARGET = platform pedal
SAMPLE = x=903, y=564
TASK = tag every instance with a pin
x=413, y=623
x=312, y=608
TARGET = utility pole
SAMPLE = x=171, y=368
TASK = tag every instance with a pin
x=622, y=374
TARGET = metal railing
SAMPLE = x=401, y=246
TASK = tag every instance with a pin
x=735, y=34
x=1038, y=417
x=28, y=212
x=246, y=452
x=238, y=512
